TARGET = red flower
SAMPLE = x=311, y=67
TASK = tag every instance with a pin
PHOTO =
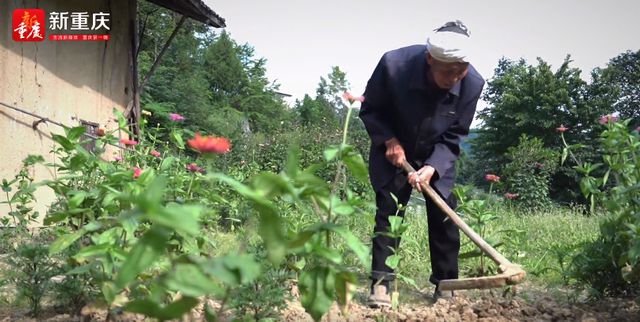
x=511, y=196
x=492, y=178
x=349, y=97
x=210, y=144
x=136, y=172
x=155, y=153
x=128, y=142
x=194, y=168
x=562, y=128
x=604, y=119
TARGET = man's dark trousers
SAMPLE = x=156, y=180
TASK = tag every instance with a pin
x=444, y=237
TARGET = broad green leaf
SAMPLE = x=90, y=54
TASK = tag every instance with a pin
x=66, y=240
x=301, y=238
x=270, y=184
x=177, y=138
x=233, y=270
x=178, y=308
x=152, y=197
x=331, y=153
x=75, y=133
x=355, y=163
x=331, y=255
x=144, y=306
x=167, y=163
x=191, y=281
x=345, y=286
x=109, y=292
x=55, y=217
x=271, y=232
x=182, y=218
x=122, y=120
x=316, y=291
x=341, y=208
x=63, y=141
x=77, y=199
x=393, y=261
x=91, y=251
x=361, y=251
x=144, y=253
x=293, y=160
x=408, y=280
x=173, y=311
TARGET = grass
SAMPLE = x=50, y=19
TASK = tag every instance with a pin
x=544, y=246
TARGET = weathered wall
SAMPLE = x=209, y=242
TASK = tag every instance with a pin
x=65, y=81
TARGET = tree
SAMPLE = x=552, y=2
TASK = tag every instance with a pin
x=535, y=100
x=618, y=85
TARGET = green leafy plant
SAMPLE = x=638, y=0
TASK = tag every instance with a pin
x=529, y=171
x=263, y=299
x=397, y=227
x=324, y=274
x=32, y=270
x=478, y=214
x=611, y=263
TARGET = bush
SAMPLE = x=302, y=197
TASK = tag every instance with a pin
x=611, y=263
x=264, y=298
x=32, y=270
x=529, y=171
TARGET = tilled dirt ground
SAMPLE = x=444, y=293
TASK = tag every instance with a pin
x=463, y=308
x=466, y=306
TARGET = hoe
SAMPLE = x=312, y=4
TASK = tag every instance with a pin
x=509, y=273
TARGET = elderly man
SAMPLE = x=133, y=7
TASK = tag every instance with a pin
x=419, y=104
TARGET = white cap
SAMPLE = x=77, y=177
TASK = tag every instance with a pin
x=450, y=43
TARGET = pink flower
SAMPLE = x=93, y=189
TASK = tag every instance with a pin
x=349, y=97
x=155, y=153
x=511, y=196
x=136, y=172
x=604, y=119
x=128, y=142
x=492, y=178
x=638, y=129
x=538, y=165
x=176, y=117
x=194, y=168
x=117, y=158
x=210, y=144
x=562, y=128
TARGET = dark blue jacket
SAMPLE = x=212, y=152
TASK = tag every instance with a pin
x=429, y=122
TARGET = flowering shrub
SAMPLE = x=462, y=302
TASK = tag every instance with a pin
x=134, y=226
x=137, y=224
x=611, y=263
x=323, y=275
x=529, y=171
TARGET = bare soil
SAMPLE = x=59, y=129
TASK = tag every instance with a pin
x=530, y=305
